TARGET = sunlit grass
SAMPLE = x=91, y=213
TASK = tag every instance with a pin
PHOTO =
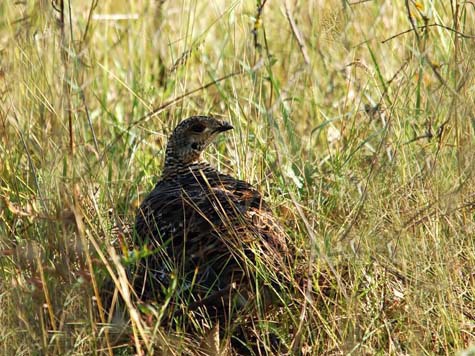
x=359, y=134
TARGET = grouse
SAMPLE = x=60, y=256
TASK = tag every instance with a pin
x=209, y=233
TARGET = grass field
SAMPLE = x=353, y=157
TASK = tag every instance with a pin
x=355, y=119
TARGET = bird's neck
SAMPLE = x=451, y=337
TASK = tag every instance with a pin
x=174, y=167
x=178, y=162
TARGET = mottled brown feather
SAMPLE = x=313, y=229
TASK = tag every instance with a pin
x=205, y=226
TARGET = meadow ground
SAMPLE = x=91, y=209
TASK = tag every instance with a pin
x=355, y=119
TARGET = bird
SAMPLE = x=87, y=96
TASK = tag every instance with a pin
x=206, y=231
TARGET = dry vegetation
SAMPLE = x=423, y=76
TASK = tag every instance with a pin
x=355, y=118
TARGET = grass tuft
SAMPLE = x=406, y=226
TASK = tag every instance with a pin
x=355, y=119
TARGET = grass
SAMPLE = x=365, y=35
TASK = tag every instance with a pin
x=359, y=132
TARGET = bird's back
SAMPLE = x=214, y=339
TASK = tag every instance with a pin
x=206, y=226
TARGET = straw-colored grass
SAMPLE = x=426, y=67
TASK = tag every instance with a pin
x=355, y=119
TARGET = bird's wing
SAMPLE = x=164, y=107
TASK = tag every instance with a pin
x=237, y=218
x=199, y=205
x=212, y=222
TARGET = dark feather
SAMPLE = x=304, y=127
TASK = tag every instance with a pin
x=206, y=228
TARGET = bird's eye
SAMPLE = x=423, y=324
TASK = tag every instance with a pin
x=198, y=128
x=194, y=146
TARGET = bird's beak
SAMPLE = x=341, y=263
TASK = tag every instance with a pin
x=225, y=126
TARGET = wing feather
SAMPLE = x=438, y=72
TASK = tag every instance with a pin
x=209, y=224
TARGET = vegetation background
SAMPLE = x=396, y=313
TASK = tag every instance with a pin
x=355, y=119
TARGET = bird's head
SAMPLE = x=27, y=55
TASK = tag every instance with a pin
x=190, y=138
